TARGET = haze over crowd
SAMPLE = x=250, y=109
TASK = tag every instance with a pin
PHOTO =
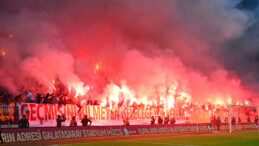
x=205, y=49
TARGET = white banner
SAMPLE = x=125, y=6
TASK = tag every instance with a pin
x=46, y=114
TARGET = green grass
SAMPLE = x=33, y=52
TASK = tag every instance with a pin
x=223, y=139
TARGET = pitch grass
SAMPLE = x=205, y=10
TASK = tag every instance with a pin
x=222, y=139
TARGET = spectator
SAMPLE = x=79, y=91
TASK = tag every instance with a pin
x=95, y=102
x=1, y=135
x=59, y=121
x=160, y=120
x=85, y=121
x=73, y=122
x=60, y=101
x=233, y=121
x=126, y=122
x=226, y=120
x=55, y=101
x=89, y=102
x=23, y=123
x=51, y=99
x=218, y=121
x=5, y=97
x=30, y=97
x=166, y=120
x=46, y=98
x=152, y=120
x=63, y=120
x=18, y=98
x=213, y=121
x=248, y=119
x=39, y=98
x=256, y=120
x=172, y=121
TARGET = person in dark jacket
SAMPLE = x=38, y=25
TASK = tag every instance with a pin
x=218, y=121
x=39, y=98
x=23, y=123
x=5, y=97
x=1, y=135
x=59, y=120
x=160, y=120
x=233, y=121
x=152, y=120
x=46, y=98
x=85, y=121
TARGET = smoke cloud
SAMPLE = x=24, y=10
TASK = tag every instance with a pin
x=204, y=49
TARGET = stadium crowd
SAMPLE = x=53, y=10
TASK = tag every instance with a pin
x=61, y=98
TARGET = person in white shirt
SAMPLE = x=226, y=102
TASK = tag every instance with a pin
x=30, y=97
